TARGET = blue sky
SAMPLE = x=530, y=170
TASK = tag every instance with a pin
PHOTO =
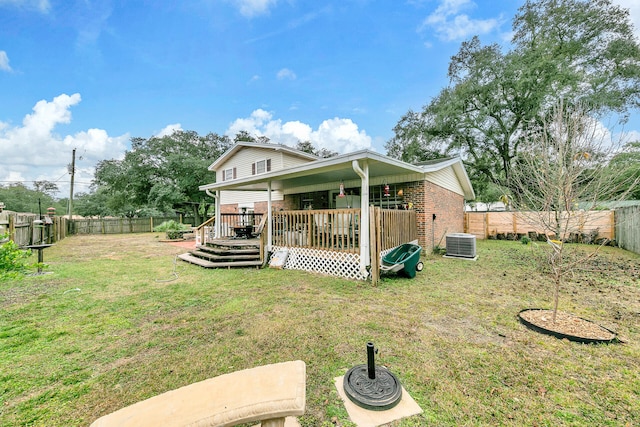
x=92, y=74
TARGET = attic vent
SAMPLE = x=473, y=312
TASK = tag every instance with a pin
x=461, y=245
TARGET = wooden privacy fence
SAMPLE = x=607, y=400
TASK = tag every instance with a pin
x=24, y=232
x=512, y=224
x=111, y=225
x=117, y=225
x=628, y=228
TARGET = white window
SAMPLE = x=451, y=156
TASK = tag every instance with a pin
x=261, y=166
x=227, y=174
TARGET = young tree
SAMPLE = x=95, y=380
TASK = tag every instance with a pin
x=563, y=172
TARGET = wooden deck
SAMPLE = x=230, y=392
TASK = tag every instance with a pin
x=328, y=241
x=238, y=243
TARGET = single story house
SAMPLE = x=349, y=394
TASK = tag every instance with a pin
x=346, y=209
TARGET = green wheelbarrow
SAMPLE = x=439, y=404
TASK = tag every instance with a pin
x=405, y=259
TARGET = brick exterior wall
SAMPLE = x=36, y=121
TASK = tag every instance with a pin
x=284, y=205
x=230, y=208
x=429, y=199
x=290, y=203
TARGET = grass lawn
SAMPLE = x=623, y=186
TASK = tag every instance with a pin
x=113, y=325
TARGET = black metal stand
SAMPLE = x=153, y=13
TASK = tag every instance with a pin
x=40, y=248
x=372, y=387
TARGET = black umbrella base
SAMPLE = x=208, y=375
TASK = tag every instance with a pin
x=378, y=394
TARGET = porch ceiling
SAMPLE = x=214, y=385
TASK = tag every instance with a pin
x=333, y=169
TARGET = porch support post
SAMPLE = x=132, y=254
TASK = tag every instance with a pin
x=216, y=223
x=269, y=216
x=363, y=172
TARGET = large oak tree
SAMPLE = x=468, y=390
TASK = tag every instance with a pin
x=160, y=173
x=577, y=50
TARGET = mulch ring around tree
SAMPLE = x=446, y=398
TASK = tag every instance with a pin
x=566, y=326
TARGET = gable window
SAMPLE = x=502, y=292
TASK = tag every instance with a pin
x=228, y=174
x=261, y=166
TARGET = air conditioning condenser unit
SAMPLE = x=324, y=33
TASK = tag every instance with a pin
x=461, y=245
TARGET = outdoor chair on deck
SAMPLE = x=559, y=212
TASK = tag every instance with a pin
x=341, y=229
x=258, y=230
x=321, y=223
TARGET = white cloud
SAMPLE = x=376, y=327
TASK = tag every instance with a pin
x=626, y=137
x=168, y=130
x=4, y=61
x=337, y=134
x=286, y=73
x=33, y=151
x=39, y=5
x=450, y=24
x=251, y=8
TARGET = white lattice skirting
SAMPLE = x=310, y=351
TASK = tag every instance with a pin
x=333, y=263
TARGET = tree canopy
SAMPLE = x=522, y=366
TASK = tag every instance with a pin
x=160, y=174
x=580, y=51
x=308, y=147
x=20, y=198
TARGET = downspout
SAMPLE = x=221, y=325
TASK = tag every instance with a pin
x=216, y=224
x=269, y=220
x=363, y=173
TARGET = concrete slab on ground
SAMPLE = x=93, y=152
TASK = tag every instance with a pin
x=366, y=418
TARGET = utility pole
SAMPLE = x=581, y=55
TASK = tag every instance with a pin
x=72, y=171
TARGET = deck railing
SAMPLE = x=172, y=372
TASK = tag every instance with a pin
x=328, y=229
x=204, y=232
x=229, y=223
x=393, y=227
x=324, y=229
x=309, y=233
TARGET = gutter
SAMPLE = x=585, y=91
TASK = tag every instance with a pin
x=365, y=261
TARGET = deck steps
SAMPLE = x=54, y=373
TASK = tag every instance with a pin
x=197, y=261
x=222, y=251
x=225, y=254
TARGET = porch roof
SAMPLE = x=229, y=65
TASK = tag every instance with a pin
x=339, y=168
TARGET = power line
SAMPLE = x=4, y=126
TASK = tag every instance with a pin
x=40, y=180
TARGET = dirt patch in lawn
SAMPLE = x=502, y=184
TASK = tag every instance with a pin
x=187, y=244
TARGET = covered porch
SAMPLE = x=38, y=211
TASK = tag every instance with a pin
x=339, y=215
